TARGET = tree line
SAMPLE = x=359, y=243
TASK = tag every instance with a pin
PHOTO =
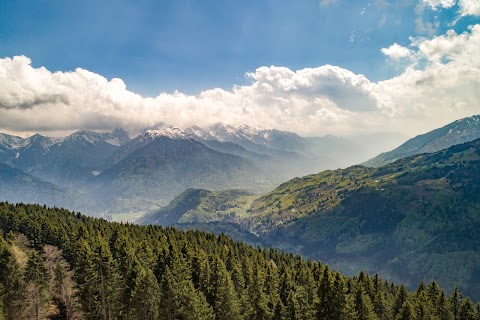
x=57, y=264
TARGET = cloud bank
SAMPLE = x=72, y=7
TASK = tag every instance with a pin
x=311, y=101
x=466, y=7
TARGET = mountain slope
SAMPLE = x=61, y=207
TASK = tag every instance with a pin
x=18, y=186
x=75, y=160
x=202, y=206
x=412, y=220
x=457, y=132
x=163, y=168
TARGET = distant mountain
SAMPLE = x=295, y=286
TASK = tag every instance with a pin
x=17, y=186
x=289, y=155
x=411, y=220
x=251, y=138
x=164, y=167
x=245, y=134
x=64, y=161
x=76, y=159
x=457, y=132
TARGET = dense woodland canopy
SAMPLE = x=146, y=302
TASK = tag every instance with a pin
x=55, y=264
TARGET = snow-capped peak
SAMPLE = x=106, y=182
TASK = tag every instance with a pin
x=85, y=135
x=12, y=142
x=117, y=137
x=230, y=133
x=198, y=132
x=171, y=132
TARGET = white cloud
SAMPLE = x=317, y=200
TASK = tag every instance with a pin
x=465, y=7
x=435, y=4
x=461, y=48
x=396, y=52
x=311, y=101
x=469, y=7
x=446, y=88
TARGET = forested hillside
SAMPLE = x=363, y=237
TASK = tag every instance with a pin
x=55, y=264
x=412, y=220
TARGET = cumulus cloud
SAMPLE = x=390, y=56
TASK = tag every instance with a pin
x=469, y=7
x=397, y=52
x=435, y=4
x=465, y=7
x=462, y=48
x=37, y=99
x=311, y=101
x=446, y=87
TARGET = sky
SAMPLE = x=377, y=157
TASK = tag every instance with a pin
x=314, y=67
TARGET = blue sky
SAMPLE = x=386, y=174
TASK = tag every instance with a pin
x=310, y=66
x=193, y=45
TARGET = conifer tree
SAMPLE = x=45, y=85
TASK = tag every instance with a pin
x=258, y=300
x=423, y=306
x=339, y=298
x=168, y=296
x=443, y=311
x=325, y=302
x=145, y=297
x=406, y=312
x=400, y=299
x=433, y=292
x=455, y=301
x=286, y=284
x=110, y=281
x=466, y=311
x=193, y=304
x=225, y=301
x=363, y=305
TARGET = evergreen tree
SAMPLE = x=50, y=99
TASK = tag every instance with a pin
x=400, y=299
x=168, y=296
x=466, y=311
x=225, y=301
x=433, y=292
x=339, y=298
x=110, y=282
x=258, y=309
x=325, y=308
x=423, y=307
x=145, y=298
x=362, y=305
x=286, y=285
x=443, y=311
x=455, y=300
x=193, y=304
x=406, y=312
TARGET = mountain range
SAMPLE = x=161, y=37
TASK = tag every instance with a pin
x=129, y=173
